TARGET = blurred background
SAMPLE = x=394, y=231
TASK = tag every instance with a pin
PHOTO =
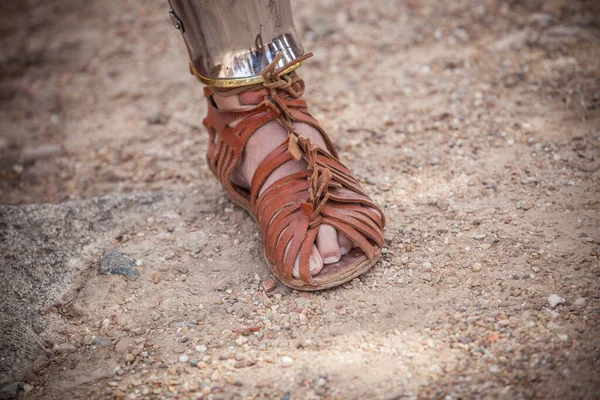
x=96, y=97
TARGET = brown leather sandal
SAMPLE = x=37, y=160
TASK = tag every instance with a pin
x=290, y=211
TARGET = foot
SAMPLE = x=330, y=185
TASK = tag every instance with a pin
x=330, y=245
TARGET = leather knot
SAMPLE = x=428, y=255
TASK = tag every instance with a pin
x=298, y=146
x=290, y=85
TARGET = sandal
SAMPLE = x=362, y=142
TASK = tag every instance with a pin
x=290, y=211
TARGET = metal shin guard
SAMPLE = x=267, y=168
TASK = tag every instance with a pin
x=231, y=41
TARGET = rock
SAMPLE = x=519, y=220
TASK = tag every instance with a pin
x=30, y=154
x=183, y=358
x=157, y=117
x=563, y=35
x=201, y=348
x=286, y=361
x=540, y=19
x=10, y=391
x=525, y=205
x=563, y=337
x=64, y=348
x=241, y=340
x=554, y=300
x=40, y=363
x=269, y=285
x=580, y=302
x=476, y=267
x=427, y=265
x=100, y=341
x=194, y=362
x=215, y=376
x=388, y=237
x=122, y=345
x=115, y=263
x=513, y=40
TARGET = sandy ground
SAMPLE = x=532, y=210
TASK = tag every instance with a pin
x=475, y=123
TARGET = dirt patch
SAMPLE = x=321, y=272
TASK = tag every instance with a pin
x=474, y=123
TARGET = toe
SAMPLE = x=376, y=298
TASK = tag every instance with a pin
x=315, y=266
x=327, y=243
x=344, y=242
x=316, y=261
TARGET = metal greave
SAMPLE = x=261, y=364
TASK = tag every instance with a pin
x=231, y=41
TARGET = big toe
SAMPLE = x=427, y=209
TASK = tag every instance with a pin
x=327, y=243
x=315, y=263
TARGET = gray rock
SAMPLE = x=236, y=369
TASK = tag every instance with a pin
x=156, y=116
x=565, y=35
x=10, y=391
x=115, y=263
x=554, y=300
x=65, y=348
x=40, y=363
x=389, y=237
x=30, y=154
x=512, y=40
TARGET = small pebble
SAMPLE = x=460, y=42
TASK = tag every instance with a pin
x=115, y=263
x=286, y=361
x=563, y=337
x=580, y=302
x=476, y=267
x=269, y=285
x=201, y=348
x=65, y=348
x=183, y=358
x=40, y=363
x=388, y=237
x=554, y=300
x=37, y=153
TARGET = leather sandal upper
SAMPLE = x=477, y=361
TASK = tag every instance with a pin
x=290, y=211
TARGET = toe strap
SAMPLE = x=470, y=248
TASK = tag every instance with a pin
x=291, y=210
